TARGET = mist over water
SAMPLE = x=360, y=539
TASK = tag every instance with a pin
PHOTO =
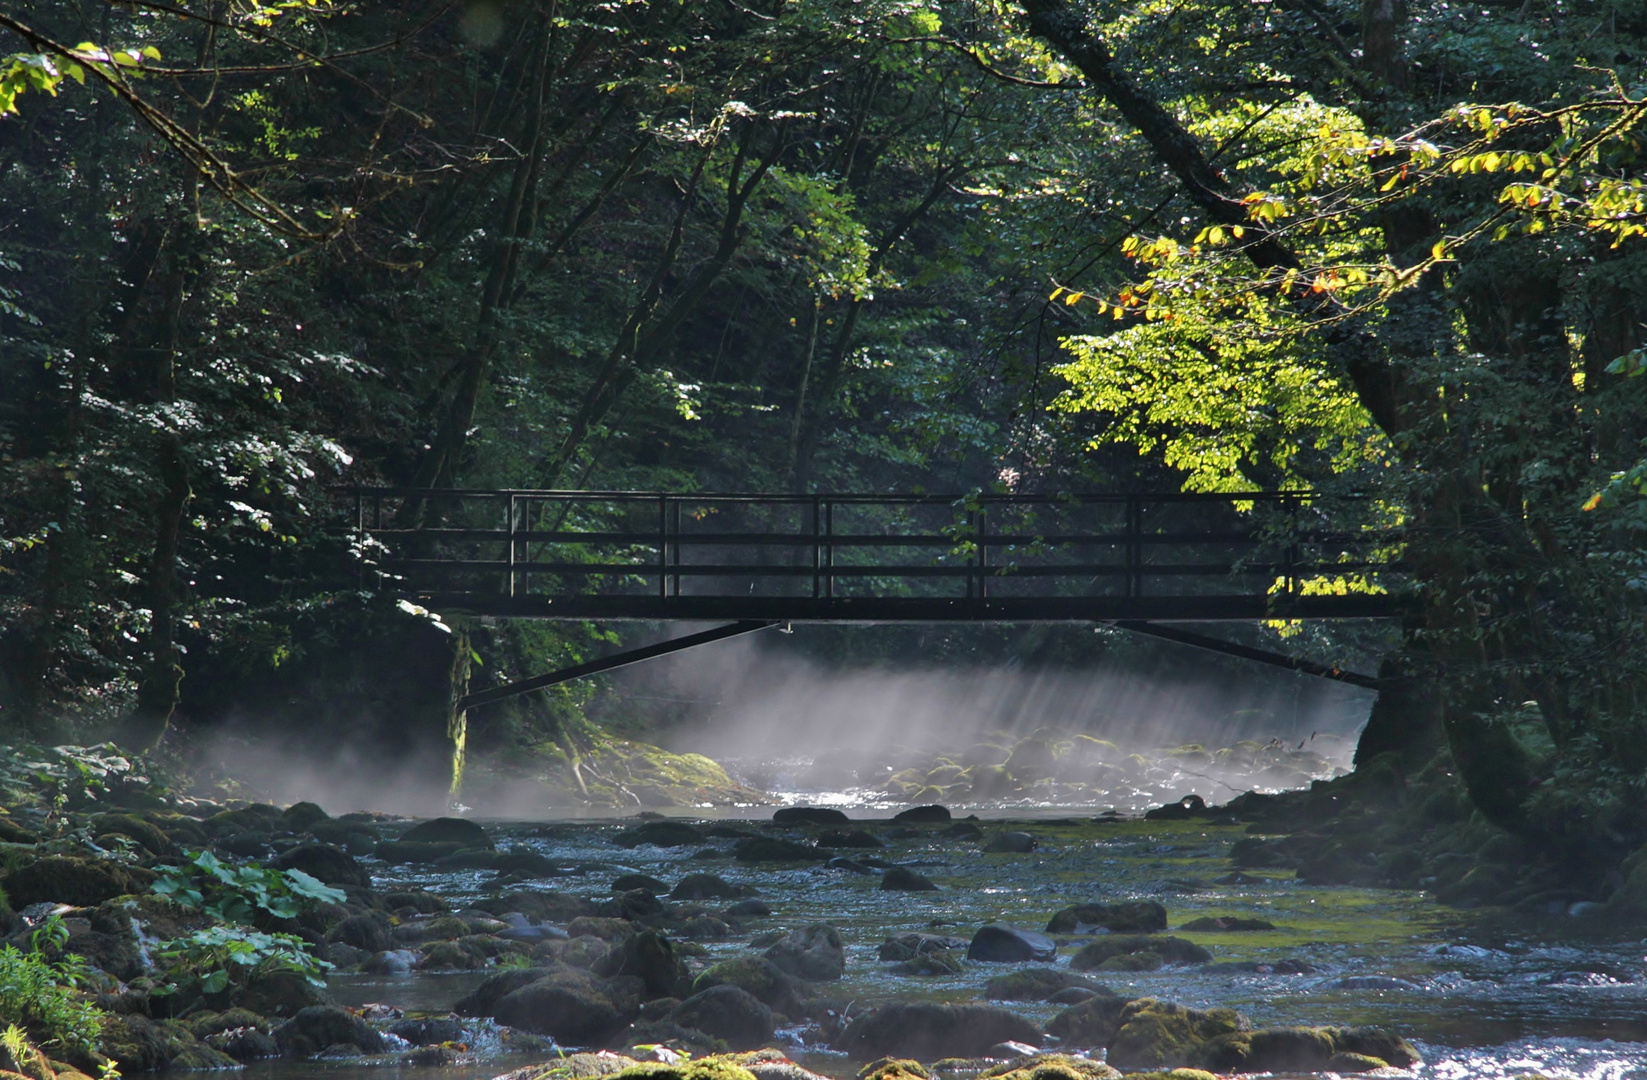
x=807, y=731
x=981, y=733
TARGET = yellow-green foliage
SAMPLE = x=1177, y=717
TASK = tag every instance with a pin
x=1217, y=401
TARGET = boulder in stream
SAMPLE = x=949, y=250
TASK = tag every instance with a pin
x=760, y=977
x=1137, y=952
x=1000, y=943
x=448, y=830
x=903, y=879
x=704, y=887
x=568, y=1006
x=1306, y=1049
x=320, y=1027
x=922, y=815
x=1037, y=984
x=929, y=1032
x=729, y=1013
x=1156, y=1034
x=1013, y=843
x=814, y=953
x=1140, y=917
x=810, y=815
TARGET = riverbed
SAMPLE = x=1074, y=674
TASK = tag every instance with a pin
x=1482, y=993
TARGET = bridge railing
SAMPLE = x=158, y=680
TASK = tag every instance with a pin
x=524, y=543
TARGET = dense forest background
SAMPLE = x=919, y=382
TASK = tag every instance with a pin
x=251, y=250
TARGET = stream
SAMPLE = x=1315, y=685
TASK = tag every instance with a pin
x=1480, y=996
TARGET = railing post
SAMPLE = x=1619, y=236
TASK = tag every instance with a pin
x=981, y=530
x=663, y=547
x=829, y=549
x=675, y=553
x=511, y=529
x=817, y=547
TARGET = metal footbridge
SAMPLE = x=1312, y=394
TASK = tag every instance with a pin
x=753, y=560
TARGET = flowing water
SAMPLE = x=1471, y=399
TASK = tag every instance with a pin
x=1480, y=996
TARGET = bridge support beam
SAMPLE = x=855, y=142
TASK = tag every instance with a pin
x=1246, y=652
x=607, y=663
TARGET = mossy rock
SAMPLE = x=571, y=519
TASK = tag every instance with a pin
x=1165, y=1035
x=1171, y=950
x=1052, y=1067
x=1091, y=1023
x=1142, y=917
x=1172, y=1074
x=1227, y=924
x=1038, y=984
x=303, y=816
x=210, y=1023
x=934, y=962
x=710, y=1068
x=79, y=882
x=894, y=1069
x=26, y=1060
x=583, y=1066
x=424, y=903
x=1144, y=960
x=13, y=833
x=760, y=978
x=257, y=817
x=452, y=956
x=1355, y=1063
x=1293, y=1049
x=152, y=839
x=138, y=1044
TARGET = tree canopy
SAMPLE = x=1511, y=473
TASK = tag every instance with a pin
x=251, y=249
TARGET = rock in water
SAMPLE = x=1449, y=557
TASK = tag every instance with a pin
x=1304, y=1049
x=321, y=1026
x=1165, y=1035
x=565, y=1006
x=1110, y=953
x=1092, y=1023
x=809, y=815
x=324, y=862
x=1016, y=843
x=1038, y=984
x=1144, y=917
x=929, y=1032
x=448, y=830
x=729, y=1013
x=1227, y=923
x=903, y=879
x=814, y=953
x=660, y=834
x=919, y=815
x=650, y=957
x=760, y=977
x=999, y=943
x=704, y=887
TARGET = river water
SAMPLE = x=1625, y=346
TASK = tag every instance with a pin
x=1481, y=994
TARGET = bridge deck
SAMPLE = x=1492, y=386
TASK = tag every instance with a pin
x=882, y=558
